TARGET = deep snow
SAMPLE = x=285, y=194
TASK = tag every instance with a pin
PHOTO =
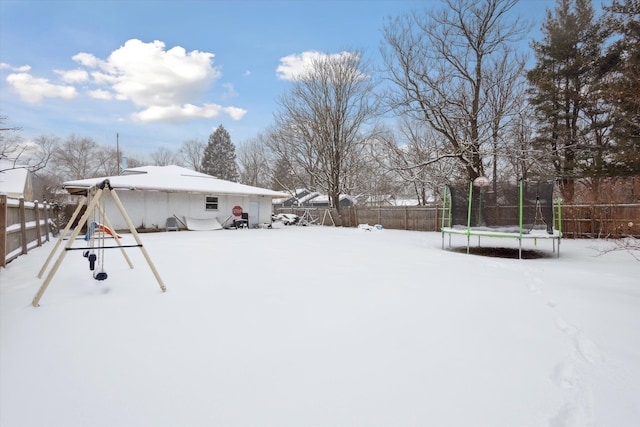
x=310, y=326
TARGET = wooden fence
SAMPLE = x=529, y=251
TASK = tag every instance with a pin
x=578, y=221
x=23, y=226
x=26, y=225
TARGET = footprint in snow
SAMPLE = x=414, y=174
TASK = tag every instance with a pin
x=588, y=349
x=533, y=283
x=565, y=375
x=565, y=327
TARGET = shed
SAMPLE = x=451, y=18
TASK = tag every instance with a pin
x=15, y=180
x=151, y=194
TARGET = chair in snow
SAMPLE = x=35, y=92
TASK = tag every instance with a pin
x=172, y=224
x=243, y=222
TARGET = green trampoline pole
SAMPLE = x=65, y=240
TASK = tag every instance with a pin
x=469, y=215
x=520, y=222
x=444, y=206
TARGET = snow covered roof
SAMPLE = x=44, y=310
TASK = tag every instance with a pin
x=170, y=179
x=14, y=179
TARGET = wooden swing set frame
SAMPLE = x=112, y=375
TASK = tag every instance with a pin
x=93, y=196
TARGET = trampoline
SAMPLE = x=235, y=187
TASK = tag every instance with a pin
x=519, y=211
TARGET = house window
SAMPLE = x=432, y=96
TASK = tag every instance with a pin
x=211, y=203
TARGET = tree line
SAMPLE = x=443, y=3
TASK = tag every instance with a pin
x=456, y=99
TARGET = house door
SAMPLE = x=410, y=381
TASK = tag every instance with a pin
x=254, y=213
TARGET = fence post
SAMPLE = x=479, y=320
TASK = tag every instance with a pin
x=36, y=208
x=23, y=225
x=3, y=228
x=406, y=218
x=46, y=220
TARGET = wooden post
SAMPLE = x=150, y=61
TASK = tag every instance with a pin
x=355, y=216
x=23, y=225
x=46, y=220
x=3, y=227
x=133, y=231
x=63, y=234
x=406, y=218
x=36, y=208
x=75, y=233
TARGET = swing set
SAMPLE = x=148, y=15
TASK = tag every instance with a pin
x=96, y=237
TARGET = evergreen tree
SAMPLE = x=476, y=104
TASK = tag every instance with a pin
x=219, y=157
x=621, y=82
x=282, y=176
x=564, y=91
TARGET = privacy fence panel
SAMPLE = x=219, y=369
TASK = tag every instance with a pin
x=578, y=221
x=601, y=220
x=24, y=226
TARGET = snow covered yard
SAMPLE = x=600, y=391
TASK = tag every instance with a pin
x=319, y=326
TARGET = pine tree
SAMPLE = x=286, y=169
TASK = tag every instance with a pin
x=621, y=82
x=219, y=157
x=283, y=179
x=564, y=90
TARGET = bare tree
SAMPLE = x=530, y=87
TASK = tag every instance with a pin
x=135, y=162
x=443, y=64
x=163, y=157
x=321, y=124
x=416, y=160
x=524, y=158
x=629, y=244
x=18, y=153
x=505, y=87
x=191, y=153
x=77, y=158
x=253, y=162
x=108, y=161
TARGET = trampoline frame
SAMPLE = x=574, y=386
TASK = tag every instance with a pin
x=495, y=232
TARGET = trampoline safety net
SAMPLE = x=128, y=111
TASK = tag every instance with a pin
x=499, y=209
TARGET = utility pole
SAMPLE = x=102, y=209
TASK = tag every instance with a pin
x=118, y=151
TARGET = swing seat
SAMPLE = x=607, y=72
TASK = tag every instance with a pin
x=100, y=275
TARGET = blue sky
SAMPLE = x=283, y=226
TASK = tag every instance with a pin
x=159, y=73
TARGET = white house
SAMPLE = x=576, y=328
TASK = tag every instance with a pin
x=151, y=194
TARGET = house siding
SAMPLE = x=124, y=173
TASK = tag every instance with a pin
x=150, y=209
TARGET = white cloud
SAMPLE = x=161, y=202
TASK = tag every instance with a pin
x=186, y=112
x=101, y=94
x=293, y=67
x=73, y=76
x=33, y=89
x=101, y=78
x=148, y=75
x=231, y=90
x=6, y=66
x=86, y=59
x=235, y=113
x=165, y=84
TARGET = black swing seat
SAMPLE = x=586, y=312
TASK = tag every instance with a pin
x=100, y=275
